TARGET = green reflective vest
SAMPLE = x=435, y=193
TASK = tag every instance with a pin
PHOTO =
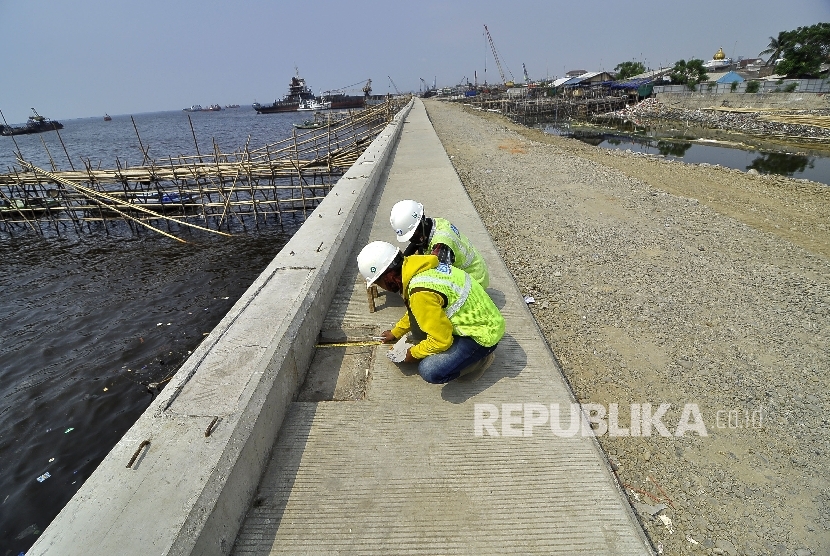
x=467, y=257
x=469, y=308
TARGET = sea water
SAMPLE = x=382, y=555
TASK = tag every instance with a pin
x=88, y=323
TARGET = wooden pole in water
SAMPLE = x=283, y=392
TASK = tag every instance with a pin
x=274, y=184
x=140, y=144
x=299, y=172
x=195, y=142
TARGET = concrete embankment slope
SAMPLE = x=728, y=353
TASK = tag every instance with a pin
x=758, y=101
x=405, y=469
x=182, y=478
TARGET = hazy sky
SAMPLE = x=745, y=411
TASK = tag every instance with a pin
x=88, y=57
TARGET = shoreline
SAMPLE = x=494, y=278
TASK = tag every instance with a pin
x=801, y=127
x=663, y=282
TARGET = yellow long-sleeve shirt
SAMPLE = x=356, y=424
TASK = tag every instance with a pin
x=427, y=307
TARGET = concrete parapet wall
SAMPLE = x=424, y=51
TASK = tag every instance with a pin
x=794, y=101
x=199, y=450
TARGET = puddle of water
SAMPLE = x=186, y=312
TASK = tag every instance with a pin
x=785, y=162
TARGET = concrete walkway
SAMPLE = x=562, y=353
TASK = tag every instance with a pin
x=406, y=469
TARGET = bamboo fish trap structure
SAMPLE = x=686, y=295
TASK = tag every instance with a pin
x=215, y=192
x=529, y=111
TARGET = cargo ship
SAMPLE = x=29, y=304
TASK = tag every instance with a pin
x=338, y=100
x=297, y=93
x=35, y=124
x=300, y=97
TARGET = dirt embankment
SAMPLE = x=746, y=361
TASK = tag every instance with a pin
x=660, y=282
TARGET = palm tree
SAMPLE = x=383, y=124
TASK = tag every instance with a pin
x=775, y=47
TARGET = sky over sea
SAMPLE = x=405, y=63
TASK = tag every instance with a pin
x=90, y=57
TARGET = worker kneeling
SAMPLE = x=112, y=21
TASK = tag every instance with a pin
x=437, y=236
x=455, y=323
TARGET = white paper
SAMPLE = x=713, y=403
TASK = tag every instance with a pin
x=397, y=353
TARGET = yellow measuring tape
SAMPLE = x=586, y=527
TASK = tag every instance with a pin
x=350, y=344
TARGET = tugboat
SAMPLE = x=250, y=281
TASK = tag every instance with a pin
x=297, y=93
x=35, y=124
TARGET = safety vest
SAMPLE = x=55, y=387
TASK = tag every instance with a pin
x=467, y=257
x=469, y=309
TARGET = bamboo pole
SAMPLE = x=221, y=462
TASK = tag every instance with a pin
x=117, y=202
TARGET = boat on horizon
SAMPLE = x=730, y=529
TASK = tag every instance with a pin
x=107, y=118
x=35, y=124
x=194, y=108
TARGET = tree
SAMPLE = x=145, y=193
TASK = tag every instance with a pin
x=688, y=73
x=804, y=50
x=773, y=48
x=629, y=69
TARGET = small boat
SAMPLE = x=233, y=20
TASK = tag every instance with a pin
x=157, y=200
x=311, y=124
x=213, y=108
x=194, y=108
x=35, y=124
x=29, y=206
x=107, y=118
x=231, y=106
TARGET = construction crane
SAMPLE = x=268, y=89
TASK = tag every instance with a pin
x=367, y=88
x=498, y=62
x=397, y=92
x=527, y=79
x=427, y=91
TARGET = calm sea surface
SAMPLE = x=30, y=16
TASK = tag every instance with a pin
x=87, y=323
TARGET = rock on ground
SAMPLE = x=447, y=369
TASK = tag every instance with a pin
x=658, y=282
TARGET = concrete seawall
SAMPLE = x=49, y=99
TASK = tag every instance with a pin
x=182, y=478
x=760, y=101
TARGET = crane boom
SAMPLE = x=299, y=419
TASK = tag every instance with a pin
x=496, y=56
x=397, y=92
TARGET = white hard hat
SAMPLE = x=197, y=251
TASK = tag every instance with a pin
x=374, y=259
x=405, y=217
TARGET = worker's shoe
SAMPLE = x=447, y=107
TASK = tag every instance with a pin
x=473, y=372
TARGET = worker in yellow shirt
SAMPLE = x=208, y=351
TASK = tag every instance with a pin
x=460, y=324
x=439, y=237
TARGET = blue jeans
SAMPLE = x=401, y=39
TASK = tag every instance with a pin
x=444, y=367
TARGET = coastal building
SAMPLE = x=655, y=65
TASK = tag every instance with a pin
x=718, y=62
x=731, y=77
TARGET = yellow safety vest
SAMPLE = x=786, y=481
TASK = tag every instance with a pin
x=469, y=309
x=467, y=257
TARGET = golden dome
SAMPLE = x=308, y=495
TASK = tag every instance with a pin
x=719, y=55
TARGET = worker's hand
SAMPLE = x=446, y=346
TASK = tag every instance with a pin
x=388, y=338
x=409, y=358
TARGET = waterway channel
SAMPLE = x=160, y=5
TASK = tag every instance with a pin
x=698, y=145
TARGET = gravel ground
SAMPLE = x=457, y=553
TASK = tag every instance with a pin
x=658, y=282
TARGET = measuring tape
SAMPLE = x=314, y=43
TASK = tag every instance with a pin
x=351, y=344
